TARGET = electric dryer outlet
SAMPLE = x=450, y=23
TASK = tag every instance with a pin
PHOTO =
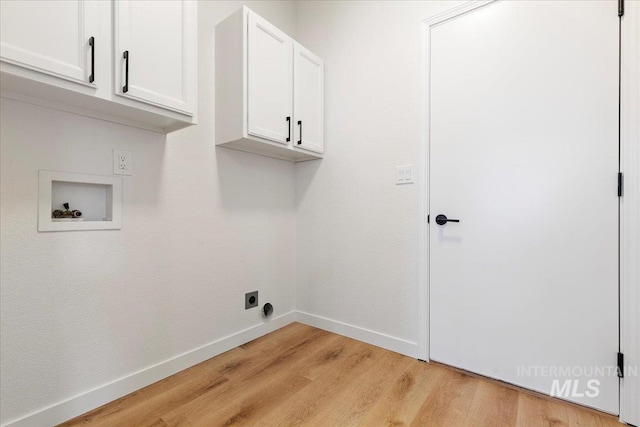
x=250, y=300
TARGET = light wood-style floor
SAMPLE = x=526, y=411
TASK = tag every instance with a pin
x=303, y=375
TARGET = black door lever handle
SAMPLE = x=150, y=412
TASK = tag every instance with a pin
x=442, y=220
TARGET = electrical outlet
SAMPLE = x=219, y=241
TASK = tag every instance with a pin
x=250, y=300
x=122, y=162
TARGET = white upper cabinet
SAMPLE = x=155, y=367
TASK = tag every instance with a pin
x=269, y=91
x=68, y=54
x=50, y=36
x=308, y=102
x=155, y=52
x=269, y=75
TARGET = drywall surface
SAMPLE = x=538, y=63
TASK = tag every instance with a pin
x=201, y=226
x=357, y=230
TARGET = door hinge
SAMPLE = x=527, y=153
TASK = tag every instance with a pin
x=620, y=365
x=428, y=218
x=620, y=8
x=620, y=184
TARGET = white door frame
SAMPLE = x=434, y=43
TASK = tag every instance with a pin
x=630, y=212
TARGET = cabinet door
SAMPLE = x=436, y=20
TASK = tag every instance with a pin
x=308, y=103
x=51, y=36
x=155, y=52
x=269, y=81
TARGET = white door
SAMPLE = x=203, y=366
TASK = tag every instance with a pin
x=308, y=101
x=52, y=36
x=269, y=81
x=524, y=153
x=156, y=52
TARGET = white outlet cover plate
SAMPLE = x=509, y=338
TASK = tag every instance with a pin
x=122, y=162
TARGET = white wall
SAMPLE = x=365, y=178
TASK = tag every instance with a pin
x=357, y=230
x=201, y=226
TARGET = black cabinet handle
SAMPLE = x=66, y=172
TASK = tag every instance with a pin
x=442, y=220
x=289, y=126
x=92, y=43
x=300, y=124
x=125, y=55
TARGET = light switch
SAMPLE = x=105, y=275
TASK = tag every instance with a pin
x=404, y=174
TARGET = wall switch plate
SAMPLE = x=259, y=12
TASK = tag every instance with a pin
x=250, y=300
x=405, y=174
x=122, y=162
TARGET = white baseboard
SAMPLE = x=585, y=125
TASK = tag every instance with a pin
x=408, y=348
x=92, y=399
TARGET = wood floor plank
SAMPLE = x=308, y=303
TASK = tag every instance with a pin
x=251, y=356
x=254, y=405
x=353, y=403
x=340, y=373
x=590, y=418
x=140, y=405
x=335, y=351
x=405, y=395
x=300, y=375
x=536, y=412
x=149, y=402
x=280, y=337
x=449, y=405
x=274, y=373
x=493, y=405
